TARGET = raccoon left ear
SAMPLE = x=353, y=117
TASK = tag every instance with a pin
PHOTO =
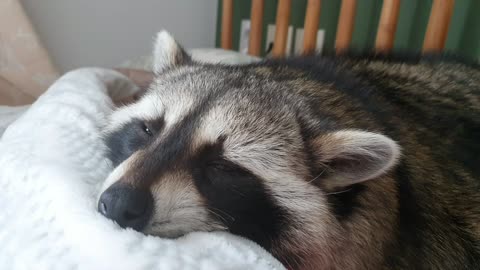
x=353, y=156
x=167, y=53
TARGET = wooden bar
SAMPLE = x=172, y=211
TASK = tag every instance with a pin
x=387, y=25
x=438, y=24
x=281, y=28
x=256, y=20
x=312, y=18
x=226, y=40
x=345, y=25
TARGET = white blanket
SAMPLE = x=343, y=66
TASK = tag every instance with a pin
x=51, y=165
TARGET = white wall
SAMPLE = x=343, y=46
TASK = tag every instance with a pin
x=107, y=32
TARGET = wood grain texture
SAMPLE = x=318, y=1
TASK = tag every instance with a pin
x=256, y=24
x=312, y=18
x=226, y=41
x=387, y=25
x=438, y=24
x=281, y=28
x=345, y=25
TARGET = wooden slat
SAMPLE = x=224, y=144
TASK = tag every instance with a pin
x=438, y=24
x=345, y=25
x=226, y=40
x=312, y=18
x=387, y=25
x=281, y=28
x=256, y=19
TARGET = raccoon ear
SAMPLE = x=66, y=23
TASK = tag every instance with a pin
x=167, y=53
x=352, y=156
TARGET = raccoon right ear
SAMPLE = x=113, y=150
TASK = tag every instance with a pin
x=167, y=53
x=348, y=157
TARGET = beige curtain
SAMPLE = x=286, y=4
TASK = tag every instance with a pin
x=26, y=70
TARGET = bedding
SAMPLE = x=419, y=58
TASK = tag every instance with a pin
x=51, y=167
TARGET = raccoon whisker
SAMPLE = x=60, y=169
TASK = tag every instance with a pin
x=217, y=215
x=223, y=212
x=238, y=192
x=202, y=222
x=316, y=177
x=185, y=207
x=338, y=192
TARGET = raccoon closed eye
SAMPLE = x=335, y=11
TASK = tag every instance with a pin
x=224, y=169
x=222, y=165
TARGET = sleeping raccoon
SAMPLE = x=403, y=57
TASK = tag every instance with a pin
x=327, y=162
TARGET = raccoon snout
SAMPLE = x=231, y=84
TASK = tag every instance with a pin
x=129, y=207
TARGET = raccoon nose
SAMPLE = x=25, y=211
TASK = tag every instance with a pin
x=129, y=207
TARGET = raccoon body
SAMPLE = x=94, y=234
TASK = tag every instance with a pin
x=344, y=162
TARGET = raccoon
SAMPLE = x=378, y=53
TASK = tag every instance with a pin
x=328, y=162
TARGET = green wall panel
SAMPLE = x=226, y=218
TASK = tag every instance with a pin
x=470, y=40
x=328, y=20
x=365, y=25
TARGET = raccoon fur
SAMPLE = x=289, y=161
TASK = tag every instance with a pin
x=328, y=162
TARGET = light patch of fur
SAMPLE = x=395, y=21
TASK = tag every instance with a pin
x=177, y=109
x=176, y=101
x=147, y=108
x=178, y=208
x=119, y=171
x=164, y=52
x=212, y=127
x=377, y=154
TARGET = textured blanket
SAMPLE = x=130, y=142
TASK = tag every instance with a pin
x=51, y=166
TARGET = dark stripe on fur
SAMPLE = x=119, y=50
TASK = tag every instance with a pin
x=237, y=197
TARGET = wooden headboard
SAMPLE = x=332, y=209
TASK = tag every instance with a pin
x=434, y=39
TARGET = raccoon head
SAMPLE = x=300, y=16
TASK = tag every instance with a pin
x=216, y=147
